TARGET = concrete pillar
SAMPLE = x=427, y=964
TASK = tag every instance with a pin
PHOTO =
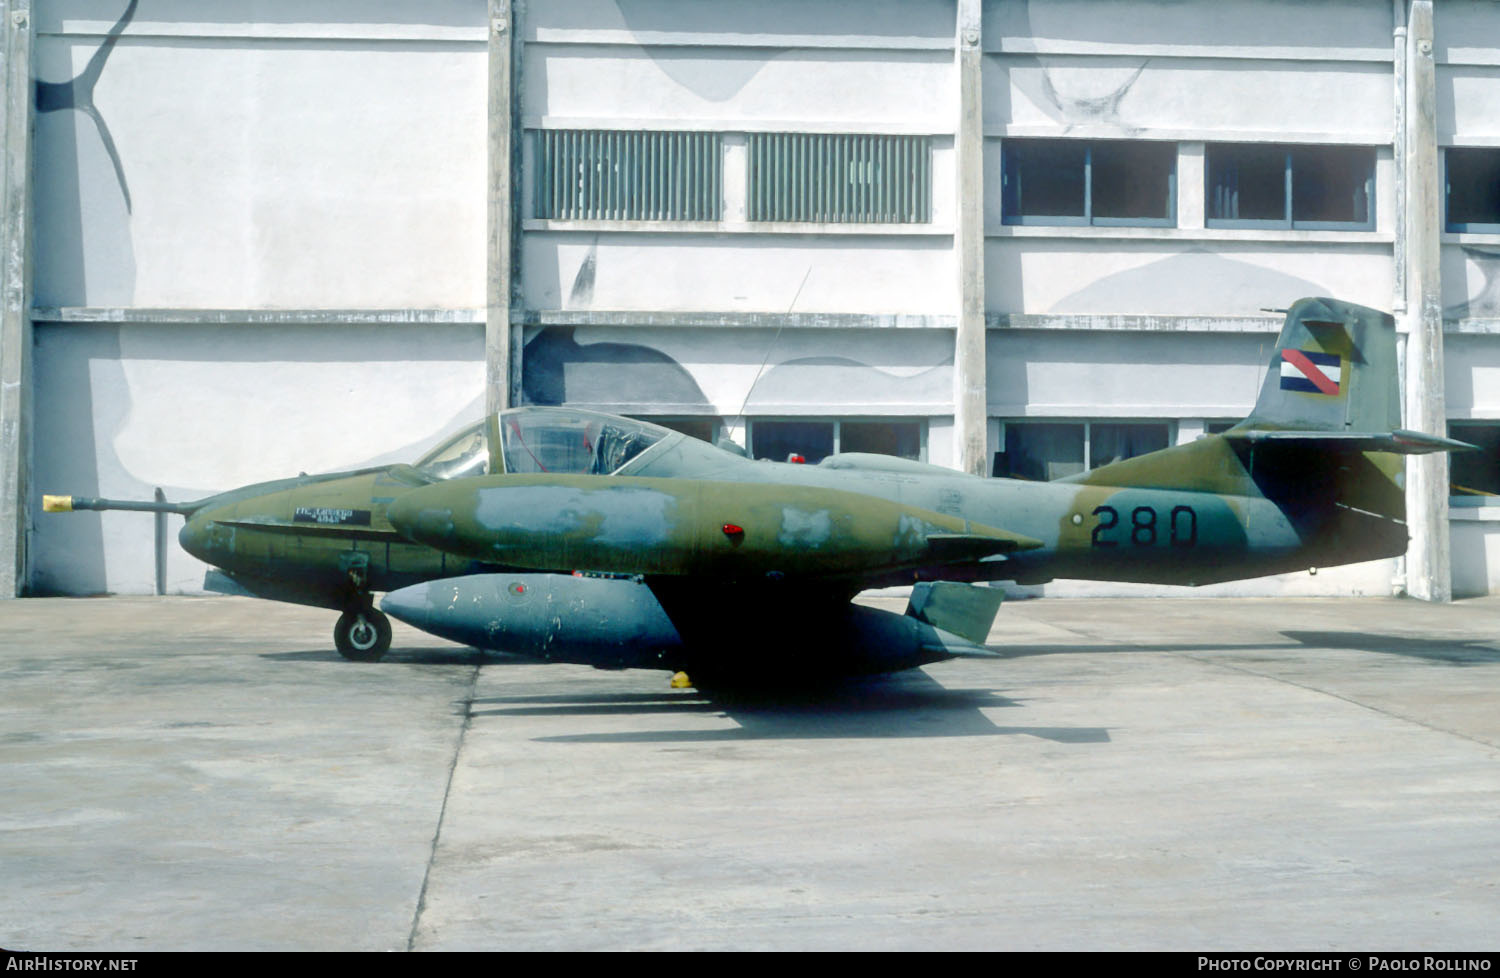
x=501, y=375
x=1428, y=574
x=15, y=293
x=969, y=395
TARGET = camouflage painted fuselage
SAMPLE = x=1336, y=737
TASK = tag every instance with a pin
x=1217, y=523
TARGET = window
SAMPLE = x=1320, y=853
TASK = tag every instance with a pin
x=612, y=175
x=703, y=429
x=1473, y=189
x=1475, y=474
x=797, y=176
x=1071, y=181
x=1045, y=450
x=1262, y=185
x=814, y=439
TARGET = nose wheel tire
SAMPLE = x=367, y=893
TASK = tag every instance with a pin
x=363, y=636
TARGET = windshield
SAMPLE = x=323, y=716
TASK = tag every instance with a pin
x=570, y=443
x=466, y=453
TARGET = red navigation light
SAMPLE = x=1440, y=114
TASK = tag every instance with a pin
x=733, y=532
x=796, y=459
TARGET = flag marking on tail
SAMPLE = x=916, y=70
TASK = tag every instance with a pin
x=1310, y=372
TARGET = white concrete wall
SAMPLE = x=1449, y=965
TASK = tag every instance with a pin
x=771, y=273
x=766, y=22
x=588, y=85
x=1315, y=29
x=1238, y=275
x=332, y=160
x=718, y=370
x=1475, y=548
x=199, y=409
x=1076, y=374
x=1205, y=98
x=1472, y=373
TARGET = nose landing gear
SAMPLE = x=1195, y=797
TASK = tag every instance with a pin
x=362, y=634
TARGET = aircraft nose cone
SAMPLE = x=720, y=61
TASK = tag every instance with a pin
x=196, y=538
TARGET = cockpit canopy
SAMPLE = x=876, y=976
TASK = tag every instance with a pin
x=543, y=439
x=572, y=442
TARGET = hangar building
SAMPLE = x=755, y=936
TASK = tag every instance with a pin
x=255, y=237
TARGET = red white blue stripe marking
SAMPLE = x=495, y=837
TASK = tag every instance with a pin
x=1309, y=372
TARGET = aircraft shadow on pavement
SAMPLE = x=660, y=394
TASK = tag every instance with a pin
x=447, y=655
x=903, y=705
x=1453, y=651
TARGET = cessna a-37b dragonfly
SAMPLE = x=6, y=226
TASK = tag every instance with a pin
x=573, y=536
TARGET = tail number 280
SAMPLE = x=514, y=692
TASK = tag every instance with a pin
x=1146, y=529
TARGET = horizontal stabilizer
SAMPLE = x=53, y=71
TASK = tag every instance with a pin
x=966, y=610
x=1400, y=441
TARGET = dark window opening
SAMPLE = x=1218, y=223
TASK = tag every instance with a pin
x=704, y=429
x=1331, y=184
x=1045, y=178
x=1041, y=451
x=1070, y=181
x=1272, y=186
x=816, y=439
x=1247, y=183
x=902, y=439
x=779, y=440
x=1473, y=189
x=1132, y=181
x=1475, y=473
x=1113, y=441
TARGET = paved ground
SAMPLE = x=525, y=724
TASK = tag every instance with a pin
x=1182, y=774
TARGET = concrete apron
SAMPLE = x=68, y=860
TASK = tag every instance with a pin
x=207, y=773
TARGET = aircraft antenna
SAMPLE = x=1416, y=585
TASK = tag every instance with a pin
x=767, y=358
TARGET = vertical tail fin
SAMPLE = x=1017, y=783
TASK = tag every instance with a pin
x=1333, y=370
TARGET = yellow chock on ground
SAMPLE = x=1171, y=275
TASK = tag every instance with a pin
x=680, y=680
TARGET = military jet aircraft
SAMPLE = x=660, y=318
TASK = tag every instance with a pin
x=633, y=546
x=578, y=536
